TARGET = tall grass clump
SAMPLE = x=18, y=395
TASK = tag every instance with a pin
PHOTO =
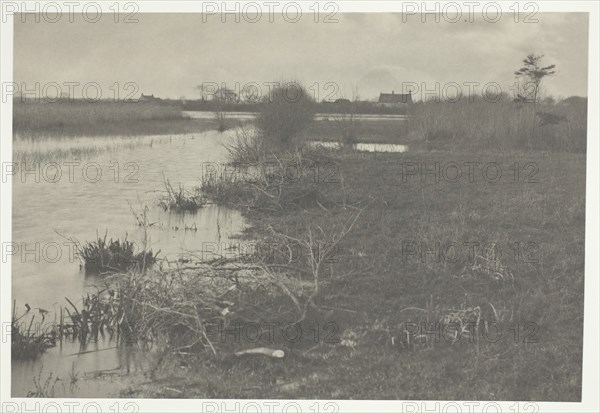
x=179, y=199
x=285, y=113
x=30, y=338
x=111, y=255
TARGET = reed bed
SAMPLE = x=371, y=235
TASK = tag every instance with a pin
x=81, y=118
x=34, y=151
x=501, y=125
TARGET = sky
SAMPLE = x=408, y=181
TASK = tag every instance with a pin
x=361, y=55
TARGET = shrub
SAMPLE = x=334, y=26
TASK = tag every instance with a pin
x=285, y=113
x=222, y=125
x=348, y=126
x=246, y=147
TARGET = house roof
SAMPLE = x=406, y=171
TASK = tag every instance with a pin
x=395, y=98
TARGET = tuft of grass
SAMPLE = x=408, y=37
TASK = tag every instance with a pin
x=43, y=388
x=29, y=339
x=179, y=200
x=113, y=256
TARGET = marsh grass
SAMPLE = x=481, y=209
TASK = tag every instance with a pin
x=30, y=337
x=179, y=199
x=501, y=125
x=378, y=293
x=44, y=387
x=472, y=124
x=287, y=180
x=103, y=118
x=113, y=256
x=35, y=151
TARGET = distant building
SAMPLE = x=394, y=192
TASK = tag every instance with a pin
x=148, y=98
x=225, y=96
x=395, y=100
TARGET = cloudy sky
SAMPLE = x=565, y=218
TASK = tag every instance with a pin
x=169, y=54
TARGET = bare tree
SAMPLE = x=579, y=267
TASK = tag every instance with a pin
x=201, y=90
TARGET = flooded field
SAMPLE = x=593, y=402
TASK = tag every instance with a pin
x=60, y=198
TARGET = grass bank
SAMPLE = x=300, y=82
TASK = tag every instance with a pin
x=439, y=285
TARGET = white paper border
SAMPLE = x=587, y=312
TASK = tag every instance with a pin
x=591, y=360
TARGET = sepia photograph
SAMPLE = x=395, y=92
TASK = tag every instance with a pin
x=289, y=206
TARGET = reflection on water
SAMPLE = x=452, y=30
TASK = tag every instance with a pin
x=380, y=147
x=98, y=370
x=362, y=147
x=325, y=144
x=91, y=196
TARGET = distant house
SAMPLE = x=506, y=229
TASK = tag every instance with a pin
x=148, y=98
x=395, y=100
x=225, y=96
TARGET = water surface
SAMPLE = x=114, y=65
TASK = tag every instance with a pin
x=361, y=146
x=318, y=116
x=64, y=198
